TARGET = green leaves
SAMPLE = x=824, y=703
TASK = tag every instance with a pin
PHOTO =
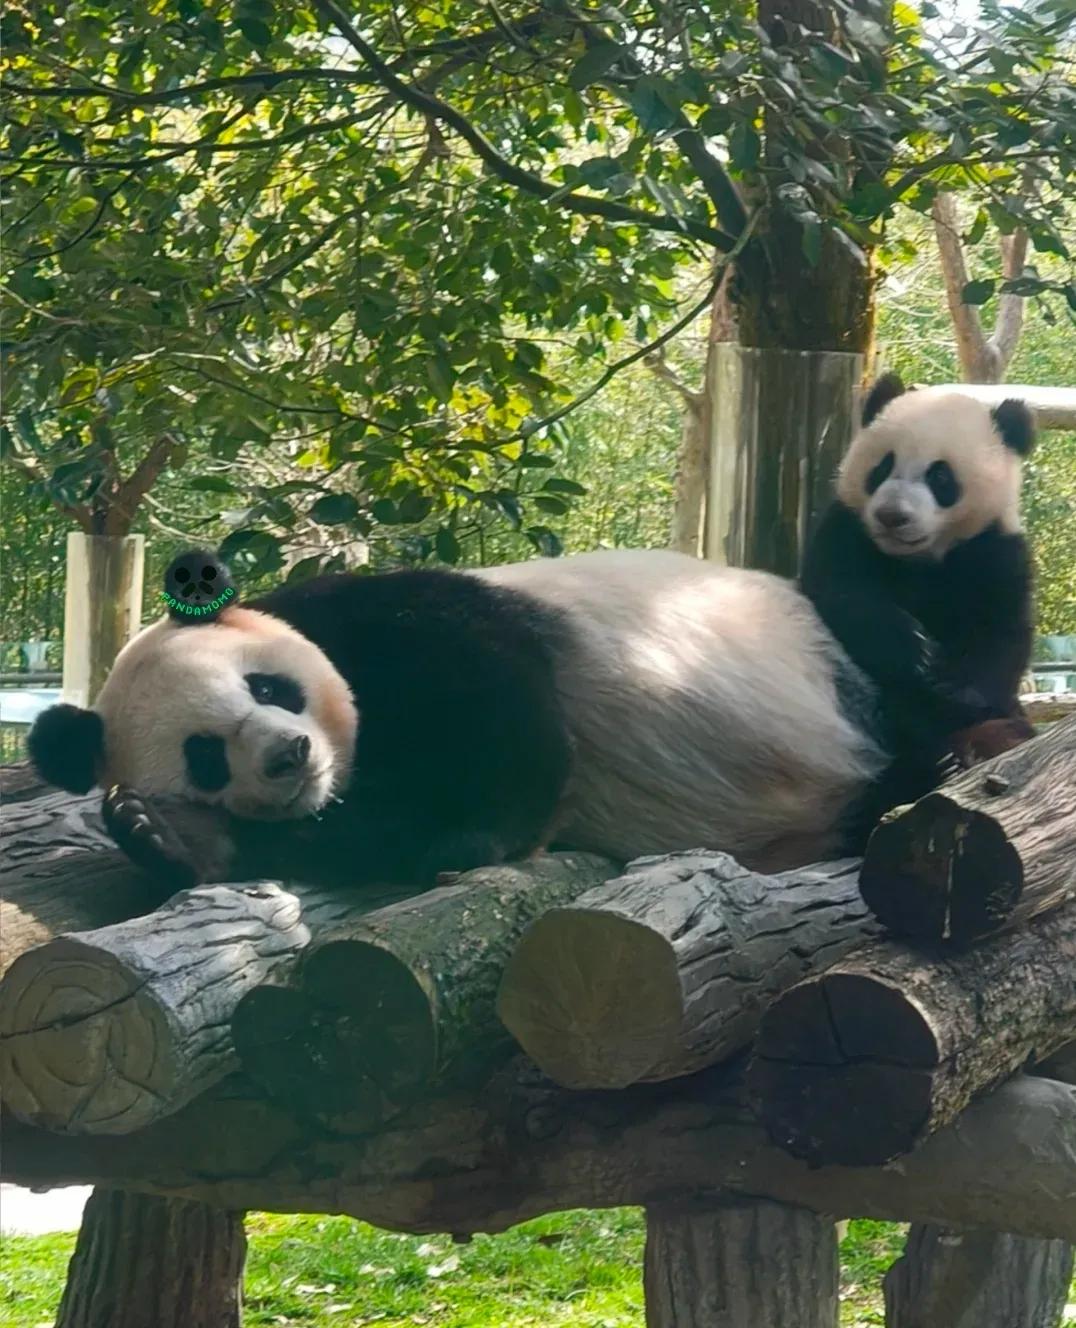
x=334, y=509
x=595, y=61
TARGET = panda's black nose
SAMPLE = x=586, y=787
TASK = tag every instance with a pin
x=287, y=757
x=892, y=517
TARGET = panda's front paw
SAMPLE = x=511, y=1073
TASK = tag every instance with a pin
x=148, y=840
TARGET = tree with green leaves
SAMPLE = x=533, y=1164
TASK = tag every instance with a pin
x=364, y=241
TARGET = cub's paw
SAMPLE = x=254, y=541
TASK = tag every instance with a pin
x=148, y=840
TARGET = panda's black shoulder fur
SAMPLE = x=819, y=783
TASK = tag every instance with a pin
x=947, y=642
x=454, y=680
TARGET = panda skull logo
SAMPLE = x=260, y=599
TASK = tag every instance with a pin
x=197, y=586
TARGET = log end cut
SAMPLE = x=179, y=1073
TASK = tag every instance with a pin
x=592, y=997
x=842, y=1071
x=82, y=1050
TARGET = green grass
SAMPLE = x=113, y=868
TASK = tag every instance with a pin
x=578, y=1269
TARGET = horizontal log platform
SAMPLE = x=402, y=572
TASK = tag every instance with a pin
x=390, y=1002
x=517, y=1146
x=860, y=1064
x=668, y=969
x=991, y=849
x=104, y=1031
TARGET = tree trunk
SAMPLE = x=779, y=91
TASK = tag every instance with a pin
x=103, y=608
x=403, y=997
x=147, y=1262
x=861, y=1064
x=746, y=1265
x=669, y=968
x=990, y=849
x=977, y=1279
x=514, y=1146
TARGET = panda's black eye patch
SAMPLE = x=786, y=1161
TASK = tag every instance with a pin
x=207, y=762
x=881, y=472
x=943, y=483
x=276, y=689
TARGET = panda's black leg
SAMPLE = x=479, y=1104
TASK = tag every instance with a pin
x=148, y=840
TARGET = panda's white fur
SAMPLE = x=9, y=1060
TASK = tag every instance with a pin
x=703, y=708
x=171, y=672
x=700, y=703
x=919, y=429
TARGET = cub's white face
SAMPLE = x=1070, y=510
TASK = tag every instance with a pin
x=929, y=472
x=243, y=712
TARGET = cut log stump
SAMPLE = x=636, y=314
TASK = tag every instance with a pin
x=403, y=997
x=105, y=1031
x=860, y=1064
x=991, y=849
x=146, y=1262
x=751, y=1264
x=668, y=968
x=977, y=1279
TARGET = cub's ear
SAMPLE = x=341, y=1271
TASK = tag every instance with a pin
x=1016, y=424
x=886, y=389
x=67, y=747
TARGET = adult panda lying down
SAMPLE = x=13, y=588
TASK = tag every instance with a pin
x=396, y=726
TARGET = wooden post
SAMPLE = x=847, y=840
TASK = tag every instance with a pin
x=102, y=608
x=147, y=1262
x=750, y=1264
x=977, y=1279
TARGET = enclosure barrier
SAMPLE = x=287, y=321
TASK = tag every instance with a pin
x=778, y=1063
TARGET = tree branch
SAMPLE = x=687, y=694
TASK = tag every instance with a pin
x=971, y=344
x=130, y=492
x=433, y=107
x=1010, y=317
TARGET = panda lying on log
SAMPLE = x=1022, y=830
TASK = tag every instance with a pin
x=394, y=727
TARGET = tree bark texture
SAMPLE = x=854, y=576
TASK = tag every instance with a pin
x=754, y=1263
x=515, y=1146
x=404, y=997
x=147, y=1262
x=668, y=969
x=977, y=1279
x=860, y=1064
x=104, y=1031
x=993, y=848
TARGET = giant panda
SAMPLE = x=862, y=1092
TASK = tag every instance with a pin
x=920, y=570
x=403, y=725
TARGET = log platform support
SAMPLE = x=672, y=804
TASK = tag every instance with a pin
x=754, y=1263
x=141, y=1260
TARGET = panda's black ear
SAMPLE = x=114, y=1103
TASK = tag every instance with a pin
x=886, y=389
x=67, y=747
x=1016, y=424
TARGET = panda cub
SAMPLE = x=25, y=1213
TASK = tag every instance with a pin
x=397, y=726
x=920, y=571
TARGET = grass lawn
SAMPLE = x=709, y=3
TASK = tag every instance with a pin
x=579, y=1269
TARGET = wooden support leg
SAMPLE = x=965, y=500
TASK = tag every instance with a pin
x=141, y=1260
x=977, y=1279
x=754, y=1264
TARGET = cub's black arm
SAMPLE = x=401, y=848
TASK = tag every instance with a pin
x=843, y=577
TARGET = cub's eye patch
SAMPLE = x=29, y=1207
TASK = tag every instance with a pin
x=207, y=762
x=943, y=483
x=276, y=689
x=880, y=473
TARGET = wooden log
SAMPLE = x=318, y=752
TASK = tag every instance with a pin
x=142, y=1260
x=516, y=1146
x=62, y=872
x=403, y=997
x=751, y=1263
x=977, y=1279
x=668, y=969
x=860, y=1064
x=105, y=1031
x=991, y=849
